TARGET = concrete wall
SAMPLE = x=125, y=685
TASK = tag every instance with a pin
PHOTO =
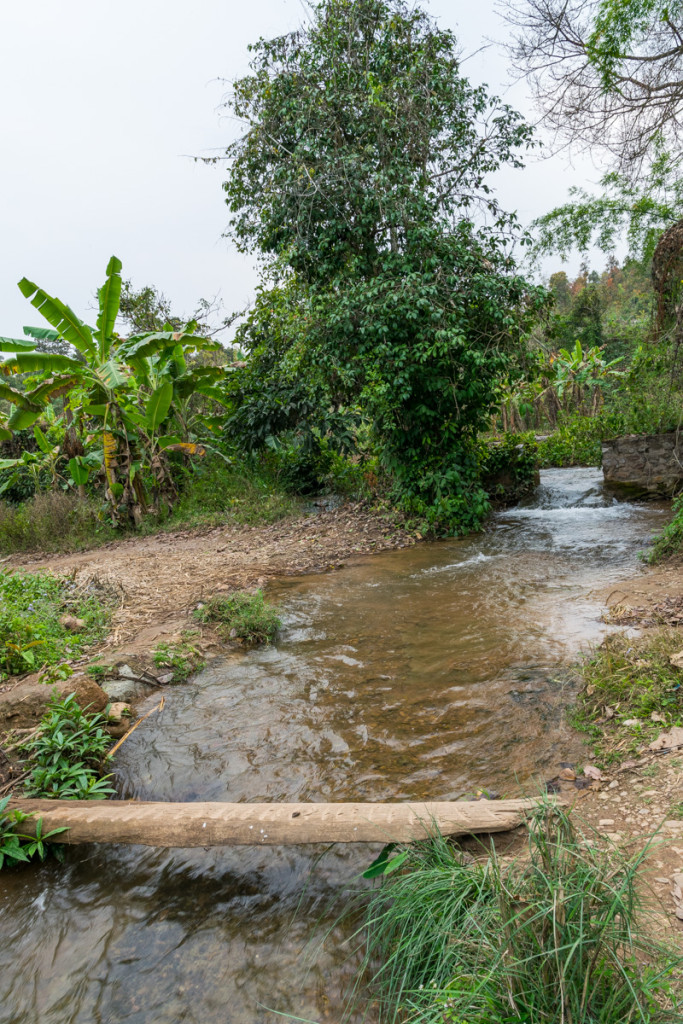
x=653, y=465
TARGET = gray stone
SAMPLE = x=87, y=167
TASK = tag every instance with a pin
x=125, y=689
x=649, y=464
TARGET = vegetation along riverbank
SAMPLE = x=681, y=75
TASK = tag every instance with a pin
x=410, y=365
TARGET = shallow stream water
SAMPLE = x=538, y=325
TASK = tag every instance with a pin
x=428, y=672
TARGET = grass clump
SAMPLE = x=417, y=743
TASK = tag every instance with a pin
x=182, y=659
x=66, y=755
x=555, y=937
x=242, y=616
x=670, y=541
x=31, y=635
x=629, y=680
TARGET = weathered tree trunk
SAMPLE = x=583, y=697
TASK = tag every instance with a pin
x=222, y=824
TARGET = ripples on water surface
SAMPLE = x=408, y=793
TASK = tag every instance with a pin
x=422, y=673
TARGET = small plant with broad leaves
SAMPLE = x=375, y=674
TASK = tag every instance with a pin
x=66, y=756
x=17, y=847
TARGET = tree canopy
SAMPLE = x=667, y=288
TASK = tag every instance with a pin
x=607, y=74
x=362, y=177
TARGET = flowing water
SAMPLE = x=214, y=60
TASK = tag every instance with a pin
x=429, y=672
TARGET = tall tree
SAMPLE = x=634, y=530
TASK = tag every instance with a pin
x=363, y=170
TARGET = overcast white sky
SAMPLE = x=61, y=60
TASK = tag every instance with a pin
x=102, y=104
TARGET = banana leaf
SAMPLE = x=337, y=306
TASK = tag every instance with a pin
x=158, y=404
x=53, y=388
x=32, y=362
x=111, y=374
x=17, y=398
x=42, y=333
x=42, y=441
x=23, y=418
x=109, y=297
x=79, y=470
x=63, y=319
x=16, y=345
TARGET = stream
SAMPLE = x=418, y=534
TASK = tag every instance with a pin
x=429, y=672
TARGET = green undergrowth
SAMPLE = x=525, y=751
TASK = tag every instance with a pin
x=670, y=541
x=213, y=495
x=182, y=659
x=67, y=755
x=17, y=845
x=631, y=693
x=242, y=616
x=559, y=934
x=31, y=635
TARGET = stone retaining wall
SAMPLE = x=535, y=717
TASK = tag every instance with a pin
x=651, y=464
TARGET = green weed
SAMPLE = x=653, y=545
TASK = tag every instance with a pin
x=183, y=659
x=18, y=847
x=629, y=680
x=65, y=757
x=670, y=541
x=31, y=636
x=242, y=616
x=555, y=936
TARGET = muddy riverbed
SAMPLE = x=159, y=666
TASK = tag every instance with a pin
x=433, y=671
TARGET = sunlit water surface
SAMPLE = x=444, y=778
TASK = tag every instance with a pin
x=428, y=672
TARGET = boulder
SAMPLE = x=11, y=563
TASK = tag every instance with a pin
x=119, y=712
x=25, y=704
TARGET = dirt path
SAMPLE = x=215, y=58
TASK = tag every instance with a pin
x=158, y=580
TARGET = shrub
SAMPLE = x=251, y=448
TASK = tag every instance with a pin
x=242, y=616
x=552, y=937
x=66, y=755
x=31, y=635
x=52, y=521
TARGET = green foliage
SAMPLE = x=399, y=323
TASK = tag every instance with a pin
x=508, y=466
x=639, y=210
x=577, y=442
x=52, y=521
x=138, y=397
x=364, y=205
x=65, y=757
x=670, y=541
x=17, y=847
x=242, y=616
x=31, y=635
x=556, y=935
x=628, y=679
x=183, y=659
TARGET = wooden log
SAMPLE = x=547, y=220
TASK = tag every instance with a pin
x=223, y=824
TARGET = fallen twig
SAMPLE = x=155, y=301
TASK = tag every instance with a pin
x=159, y=707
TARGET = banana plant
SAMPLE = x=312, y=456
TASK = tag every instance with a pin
x=133, y=392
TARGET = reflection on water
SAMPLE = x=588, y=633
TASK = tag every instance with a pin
x=426, y=672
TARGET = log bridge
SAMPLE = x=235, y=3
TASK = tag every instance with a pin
x=257, y=824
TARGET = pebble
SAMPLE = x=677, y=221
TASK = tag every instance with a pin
x=613, y=784
x=605, y=821
x=663, y=881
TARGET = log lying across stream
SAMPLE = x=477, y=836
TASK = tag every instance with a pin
x=222, y=824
